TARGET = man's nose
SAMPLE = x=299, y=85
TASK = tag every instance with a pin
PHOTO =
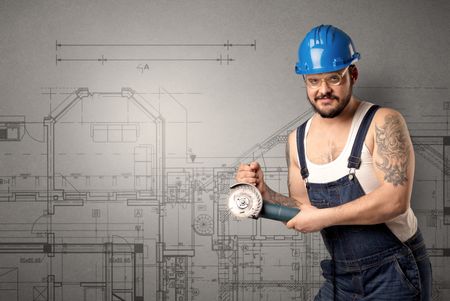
x=324, y=87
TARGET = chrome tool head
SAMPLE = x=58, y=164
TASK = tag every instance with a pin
x=244, y=200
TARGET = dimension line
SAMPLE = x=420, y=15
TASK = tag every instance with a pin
x=227, y=45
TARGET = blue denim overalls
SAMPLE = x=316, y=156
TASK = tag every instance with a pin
x=368, y=262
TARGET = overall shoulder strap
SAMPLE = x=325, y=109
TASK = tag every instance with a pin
x=301, y=150
x=354, y=161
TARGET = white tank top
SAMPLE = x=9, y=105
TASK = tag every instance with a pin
x=403, y=226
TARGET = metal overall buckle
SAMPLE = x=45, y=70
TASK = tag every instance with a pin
x=305, y=180
x=351, y=173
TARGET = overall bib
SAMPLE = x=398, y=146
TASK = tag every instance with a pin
x=368, y=262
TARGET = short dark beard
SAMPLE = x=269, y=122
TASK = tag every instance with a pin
x=338, y=110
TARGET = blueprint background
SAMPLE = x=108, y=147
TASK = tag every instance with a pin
x=159, y=186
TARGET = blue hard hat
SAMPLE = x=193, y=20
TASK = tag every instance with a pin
x=325, y=49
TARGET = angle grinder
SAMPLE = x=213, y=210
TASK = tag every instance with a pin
x=245, y=201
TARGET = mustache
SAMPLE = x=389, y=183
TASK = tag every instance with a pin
x=328, y=95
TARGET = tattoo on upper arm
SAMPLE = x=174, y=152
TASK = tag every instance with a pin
x=393, y=149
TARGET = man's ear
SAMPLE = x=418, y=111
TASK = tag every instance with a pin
x=353, y=71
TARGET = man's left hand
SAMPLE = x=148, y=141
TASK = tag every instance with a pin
x=309, y=219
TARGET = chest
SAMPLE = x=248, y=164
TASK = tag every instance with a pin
x=326, y=145
x=323, y=147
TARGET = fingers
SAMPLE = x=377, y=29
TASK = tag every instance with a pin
x=290, y=224
x=255, y=166
x=248, y=173
x=246, y=176
x=307, y=222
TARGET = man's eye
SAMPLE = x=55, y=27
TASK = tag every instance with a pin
x=313, y=81
x=334, y=79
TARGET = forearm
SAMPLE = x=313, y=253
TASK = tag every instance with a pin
x=379, y=206
x=275, y=197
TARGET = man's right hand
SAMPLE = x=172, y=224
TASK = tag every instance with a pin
x=251, y=174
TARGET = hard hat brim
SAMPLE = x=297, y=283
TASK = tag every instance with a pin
x=333, y=68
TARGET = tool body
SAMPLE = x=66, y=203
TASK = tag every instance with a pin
x=245, y=200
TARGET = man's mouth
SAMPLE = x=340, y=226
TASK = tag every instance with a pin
x=326, y=99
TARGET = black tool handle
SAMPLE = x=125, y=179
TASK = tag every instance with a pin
x=278, y=212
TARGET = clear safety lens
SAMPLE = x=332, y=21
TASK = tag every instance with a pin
x=332, y=79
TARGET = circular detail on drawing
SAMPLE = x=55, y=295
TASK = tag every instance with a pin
x=203, y=225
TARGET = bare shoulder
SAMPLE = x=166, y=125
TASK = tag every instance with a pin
x=292, y=137
x=388, y=122
x=291, y=147
x=388, y=116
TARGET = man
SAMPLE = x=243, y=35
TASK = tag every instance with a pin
x=351, y=171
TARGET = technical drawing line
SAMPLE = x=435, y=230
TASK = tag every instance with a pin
x=65, y=179
x=134, y=60
x=7, y=272
x=62, y=103
x=104, y=59
x=186, y=119
x=148, y=103
x=28, y=133
x=124, y=239
x=116, y=296
x=227, y=45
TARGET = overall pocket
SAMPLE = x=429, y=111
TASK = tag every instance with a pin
x=407, y=270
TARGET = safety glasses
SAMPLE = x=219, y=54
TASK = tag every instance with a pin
x=332, y=79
